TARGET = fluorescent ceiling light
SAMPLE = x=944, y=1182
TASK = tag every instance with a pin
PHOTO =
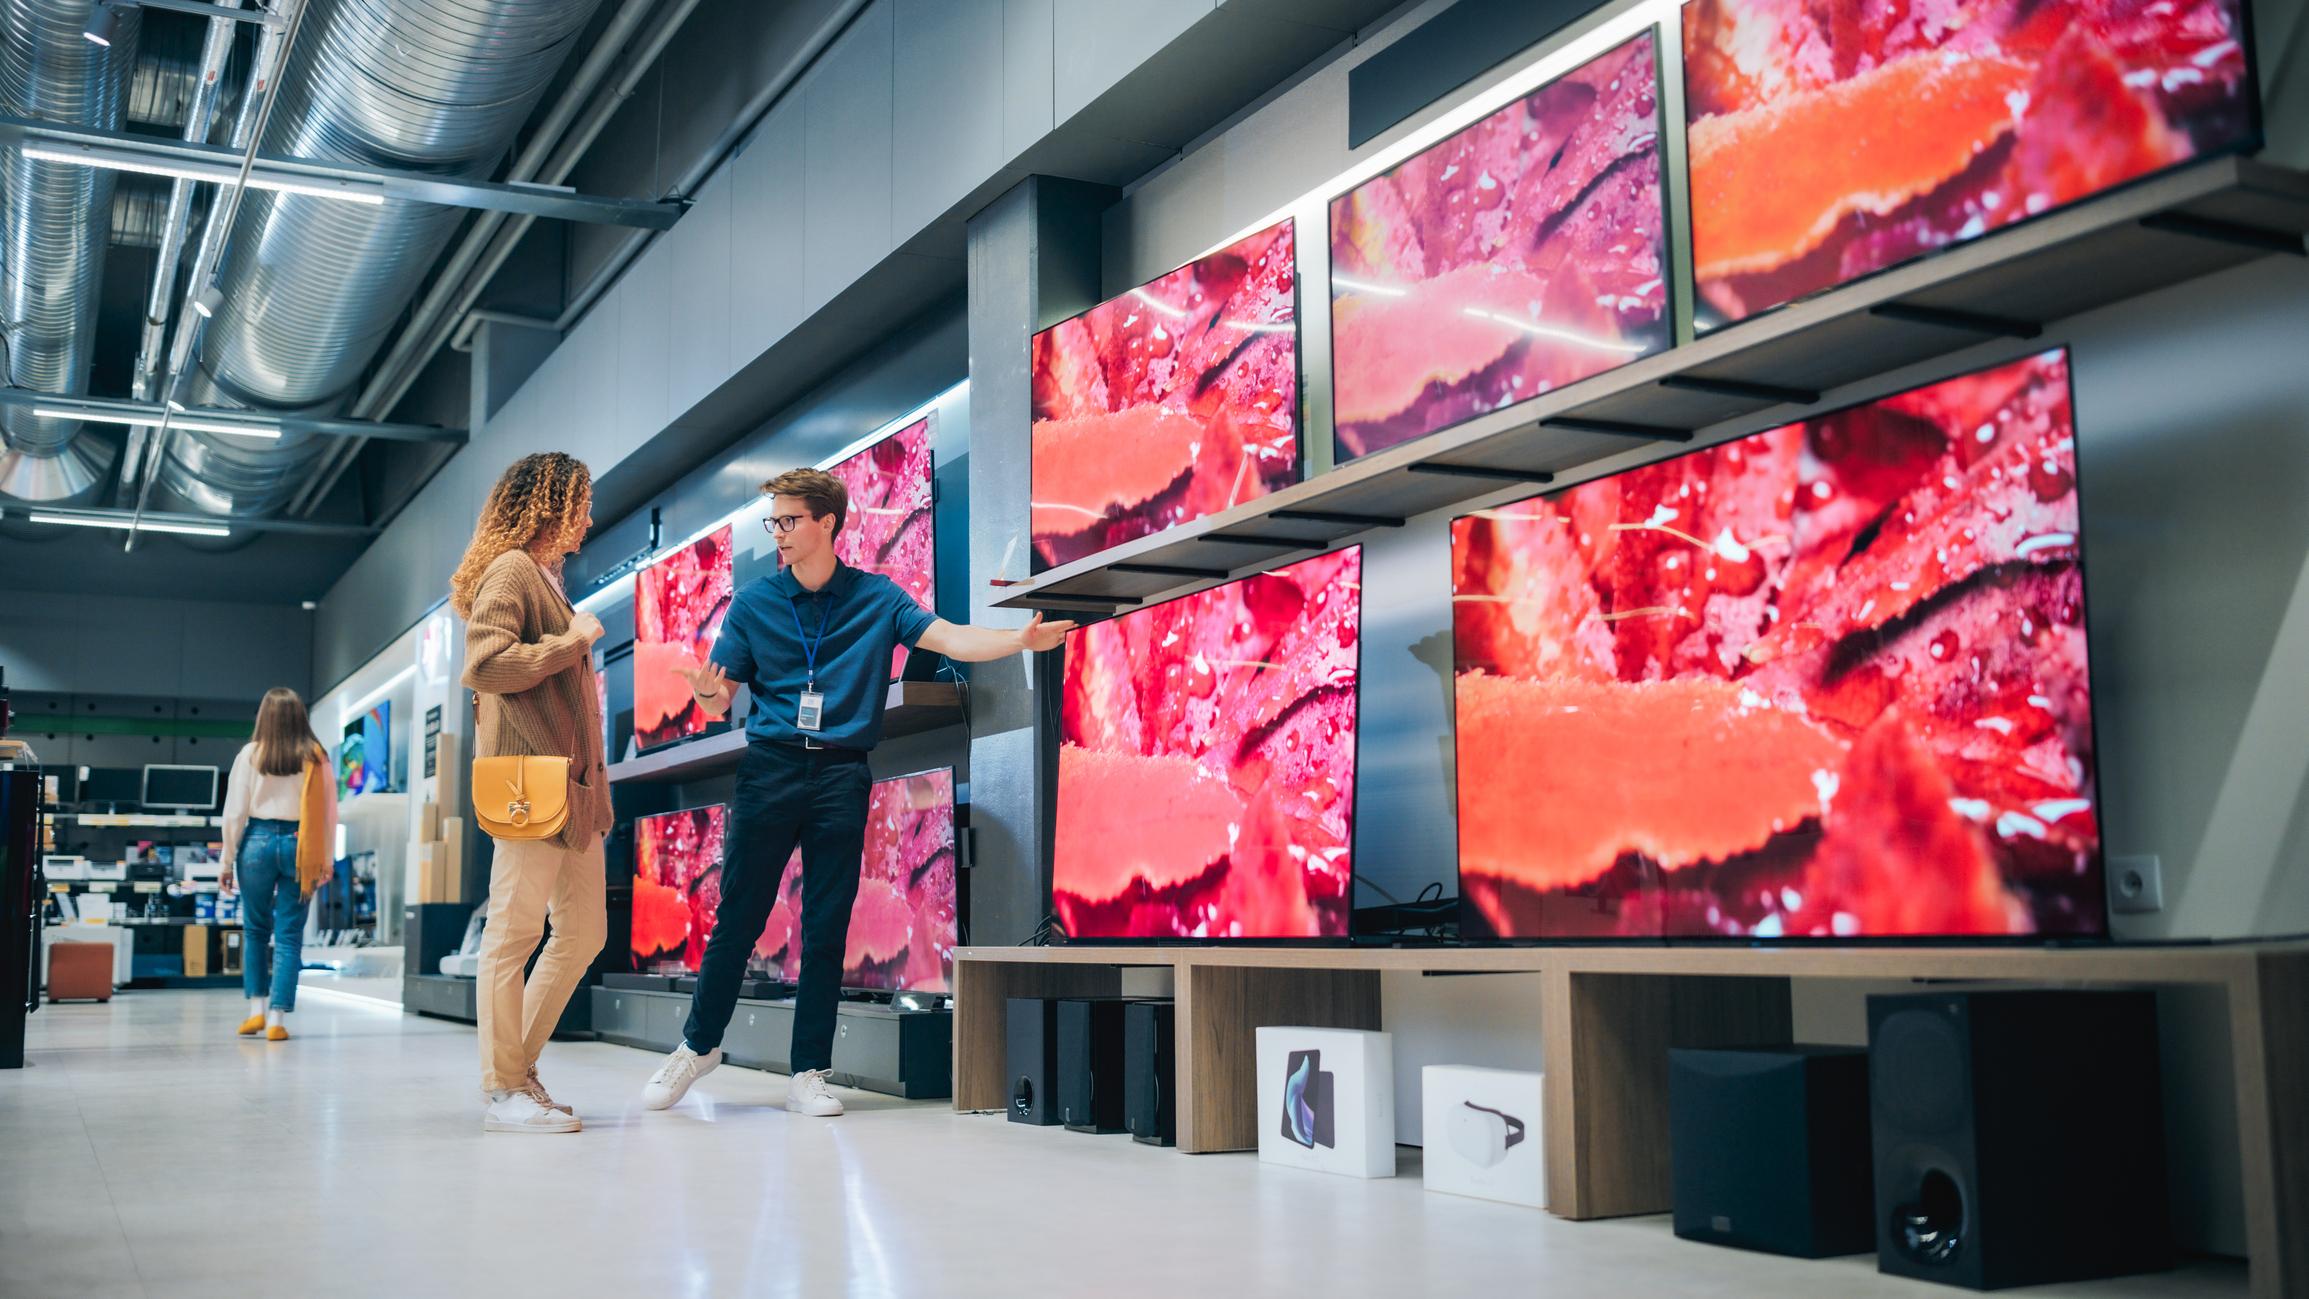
x=148, y=525
x=152, y=421
x=215, y=173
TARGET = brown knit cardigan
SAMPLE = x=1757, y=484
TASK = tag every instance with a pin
x=535, y=680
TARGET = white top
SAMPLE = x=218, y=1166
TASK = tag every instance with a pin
x=250, y=794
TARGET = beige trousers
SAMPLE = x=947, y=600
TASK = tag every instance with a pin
x=529, y=881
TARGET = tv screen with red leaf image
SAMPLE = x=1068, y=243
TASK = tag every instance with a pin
x=677, y=887
x=1825, y=681
x=889, y=529
x=678, y=606
x=1206, y=768
x=1177, y=400
x=904, y=925
x=1827, y=142
x=1522, y=254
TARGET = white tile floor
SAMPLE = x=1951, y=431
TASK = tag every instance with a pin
x=149, y=1152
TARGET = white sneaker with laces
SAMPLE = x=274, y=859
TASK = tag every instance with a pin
x=519, y=1111
x=672, y=1080
x=807, y=1094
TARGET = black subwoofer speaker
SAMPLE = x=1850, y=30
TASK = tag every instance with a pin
x=1149, y=1104
x=1771, y=1148
x=1090, y=1063
x=2019, y=1136
x=1032, y=1039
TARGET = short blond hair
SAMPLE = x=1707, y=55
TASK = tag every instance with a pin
x=821, y=491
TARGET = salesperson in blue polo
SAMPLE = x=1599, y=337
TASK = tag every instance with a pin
x=814, y=642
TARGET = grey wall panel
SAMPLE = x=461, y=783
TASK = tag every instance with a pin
x=1029, y=104
x=645, y=315
x=592, y=352
x=241, y=651
x=846, y=134
x=947, y=96
x=38, y=641
x=1098, y=42
x=167, y=649
x=766, y=234
x=699, y=249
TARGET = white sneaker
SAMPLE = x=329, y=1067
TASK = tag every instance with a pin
x=807, y=1094
x=518, y=1111
x=672, y=1080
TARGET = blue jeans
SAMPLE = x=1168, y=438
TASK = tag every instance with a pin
x=272, y=911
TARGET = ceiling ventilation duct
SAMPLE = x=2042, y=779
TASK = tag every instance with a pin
x=54, y=223
x=313, y=285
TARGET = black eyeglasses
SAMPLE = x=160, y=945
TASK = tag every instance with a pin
x=776, y=524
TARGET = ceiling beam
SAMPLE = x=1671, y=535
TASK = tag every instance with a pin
x=155, y=155
x=109, y=410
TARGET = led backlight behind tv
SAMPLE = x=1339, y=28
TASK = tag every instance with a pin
x=1206, y=776
x=679, y=604
x=1828, y=681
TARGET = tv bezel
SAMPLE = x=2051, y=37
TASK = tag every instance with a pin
x=1299, y=420
x=2106, y=934
x=1354, y=814
x=144, y=786
x=1668, y=238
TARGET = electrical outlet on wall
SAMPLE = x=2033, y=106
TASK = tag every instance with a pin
x=2136, y=885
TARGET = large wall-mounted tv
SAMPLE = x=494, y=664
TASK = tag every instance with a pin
x=1522, y=254
x=1206, y=773
x=678, y=607
x=365, y=754
x=677, y=887
x=890, y=529
x=1177, y=400
x=904, y=925
x=1827, y=681
x=1828, y=143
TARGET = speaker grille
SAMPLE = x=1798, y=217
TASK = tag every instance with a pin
x=1917, y=1071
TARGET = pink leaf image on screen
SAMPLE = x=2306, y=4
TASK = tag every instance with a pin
x=889, y=529
x=1206, y=780
x=1828, y=680
x=1826, y=143
x=1176, y=400
x=904, y=925
x=1522, y=254
x=677, y=887
x=678, y=606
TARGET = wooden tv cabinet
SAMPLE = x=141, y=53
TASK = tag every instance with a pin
x=1608, y=1015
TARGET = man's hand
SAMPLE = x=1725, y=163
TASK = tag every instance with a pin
x=708, y=683
x=586, y=625
x=1039, y=635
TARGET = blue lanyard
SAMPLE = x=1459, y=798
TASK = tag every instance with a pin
x=810, y=647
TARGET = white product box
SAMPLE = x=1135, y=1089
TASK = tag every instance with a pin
x=64, y=868
x=1482, y=1128
x=1327, y=1100
x=107, y=870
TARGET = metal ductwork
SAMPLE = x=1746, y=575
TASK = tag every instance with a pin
x=54, y=222
x=312, y=286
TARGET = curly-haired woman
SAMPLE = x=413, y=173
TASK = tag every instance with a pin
x=528, y=656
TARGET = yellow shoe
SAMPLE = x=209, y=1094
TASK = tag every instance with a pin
x=276, y=1034
x=252, y=1026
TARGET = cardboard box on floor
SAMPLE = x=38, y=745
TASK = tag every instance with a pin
x=428, y=821
x=196, y=951
x=453, y=857
x=449, y=777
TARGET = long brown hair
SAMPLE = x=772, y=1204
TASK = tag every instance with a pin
x=284, y=734
x=536, y=495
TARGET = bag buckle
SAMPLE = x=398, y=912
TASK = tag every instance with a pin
x=517, y=813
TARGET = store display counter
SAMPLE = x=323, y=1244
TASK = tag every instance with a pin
x=1609, y=1015
x=877, y=1048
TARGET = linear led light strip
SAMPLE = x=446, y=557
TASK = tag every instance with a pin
x=153, y=421
x=149, y=525
x=217, y=173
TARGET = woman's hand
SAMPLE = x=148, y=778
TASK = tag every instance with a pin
x=224, y=878
x=328, y=872
x=588, y=626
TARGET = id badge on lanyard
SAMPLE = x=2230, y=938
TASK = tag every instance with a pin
x=811, y=715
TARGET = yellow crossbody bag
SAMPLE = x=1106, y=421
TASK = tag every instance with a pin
x=516, y=797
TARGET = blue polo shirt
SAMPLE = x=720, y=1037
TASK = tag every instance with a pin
x=866, y=617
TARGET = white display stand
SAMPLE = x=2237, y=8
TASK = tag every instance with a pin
x=122, y=939
x=1327, y=1100
x=1483, y=1133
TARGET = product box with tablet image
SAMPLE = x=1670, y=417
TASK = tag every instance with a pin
x=1327, y=1100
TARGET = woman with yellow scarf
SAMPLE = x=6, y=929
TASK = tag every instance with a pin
x=280, y=835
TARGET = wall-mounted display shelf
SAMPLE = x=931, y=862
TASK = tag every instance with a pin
x=137, y=819
x=1608, y=1016
x=2151, y=235
x=912, y=706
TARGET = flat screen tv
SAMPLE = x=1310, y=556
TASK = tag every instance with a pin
x=1827, y=681
x=891, y=529
x=1206, y=766
x=184, y=788
x=677, y=887
x=1826, y=143
x=1177, y=400
x=678, y=607
x=904, y=926
x=365, y=755
x=1522, y=254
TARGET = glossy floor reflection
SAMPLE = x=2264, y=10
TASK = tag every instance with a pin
x=149, y=1152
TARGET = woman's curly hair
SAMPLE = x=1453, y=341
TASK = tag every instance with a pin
x=533, y=497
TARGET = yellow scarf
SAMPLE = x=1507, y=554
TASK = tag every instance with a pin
x=313, y=854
